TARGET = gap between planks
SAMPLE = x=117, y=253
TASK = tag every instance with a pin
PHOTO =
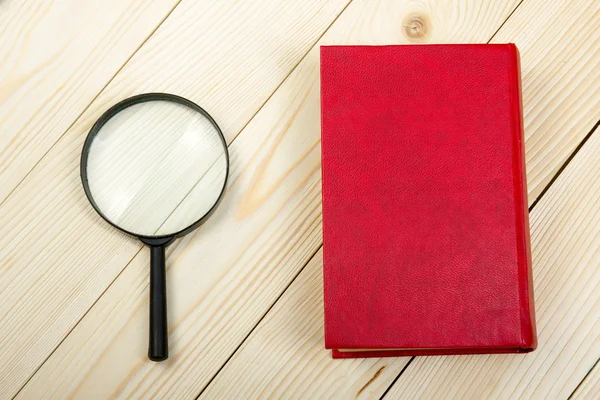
x=589, y=383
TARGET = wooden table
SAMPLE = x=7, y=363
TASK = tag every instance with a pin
x=245, y=290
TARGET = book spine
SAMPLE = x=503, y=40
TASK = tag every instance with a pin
x=528, y=329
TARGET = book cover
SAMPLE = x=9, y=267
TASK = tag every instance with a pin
x=425, y=217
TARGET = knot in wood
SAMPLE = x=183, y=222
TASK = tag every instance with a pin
x=416, y=27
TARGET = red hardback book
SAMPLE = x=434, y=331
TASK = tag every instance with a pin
x=425, y=217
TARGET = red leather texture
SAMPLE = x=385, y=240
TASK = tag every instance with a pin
x=425, y=221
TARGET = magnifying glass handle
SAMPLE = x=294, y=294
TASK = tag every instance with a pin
x=158, y=349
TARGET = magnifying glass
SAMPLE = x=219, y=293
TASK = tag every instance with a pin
x=155, y=166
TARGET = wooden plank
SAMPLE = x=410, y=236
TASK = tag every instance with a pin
x=560, y=53
x=225, y=276
x=566, y=252
x=55, y=57
x=284, y=357
x=57, y=257
x=590, y=387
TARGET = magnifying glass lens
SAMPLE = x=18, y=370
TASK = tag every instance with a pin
x=156, y=167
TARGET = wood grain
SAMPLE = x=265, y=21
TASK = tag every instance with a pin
x=565, y=227
x=57, y=256
x=590, y=387
x=55, y=57
x=225, y=276
x=284, y=356
x=559, y=43
x=211, y=318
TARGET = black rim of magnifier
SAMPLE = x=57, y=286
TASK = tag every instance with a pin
x=158, y=343
x=111, y=112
